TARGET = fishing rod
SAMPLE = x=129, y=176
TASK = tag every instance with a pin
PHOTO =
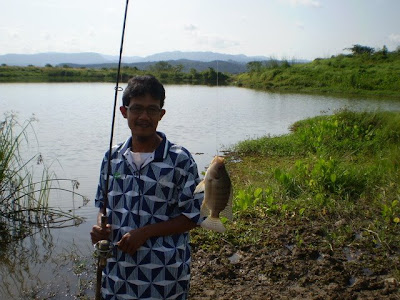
x=104, y=247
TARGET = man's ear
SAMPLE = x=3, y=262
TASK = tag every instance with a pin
x=123, y=111
x=163, y=111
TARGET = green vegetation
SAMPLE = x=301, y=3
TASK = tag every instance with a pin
x=335, y=175
x=344, y=165
x=162, y=70
x=364, y=72
x=24, y=200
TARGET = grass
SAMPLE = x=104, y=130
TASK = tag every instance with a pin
x=367, y=75
x=341, y=159
x=24, y=199
x=341, y=172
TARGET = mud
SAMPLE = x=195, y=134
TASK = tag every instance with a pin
x=295, y=261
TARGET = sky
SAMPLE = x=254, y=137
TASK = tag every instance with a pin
x=281, y=29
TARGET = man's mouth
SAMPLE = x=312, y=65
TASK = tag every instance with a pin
x=143, y=125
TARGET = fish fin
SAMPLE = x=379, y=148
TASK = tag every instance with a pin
x=227, y=212
x=213, y=224
x=204, y=211
x=200, y=187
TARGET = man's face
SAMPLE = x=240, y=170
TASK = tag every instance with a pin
x=143, y=114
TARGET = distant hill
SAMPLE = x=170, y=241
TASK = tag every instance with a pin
x=91, y=58
x=199, y=56
x=199, y=61
x=53, y=58
x=218, y=65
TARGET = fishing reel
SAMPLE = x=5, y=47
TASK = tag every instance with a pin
x=103, y=250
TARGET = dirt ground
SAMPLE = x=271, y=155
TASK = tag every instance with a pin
x=294, y=261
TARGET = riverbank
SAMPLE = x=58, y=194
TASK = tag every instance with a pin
x=317, y=215
x=367, y=75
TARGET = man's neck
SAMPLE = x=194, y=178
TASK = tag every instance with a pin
x=145, y=144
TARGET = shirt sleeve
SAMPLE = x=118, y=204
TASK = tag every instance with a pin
x=188, y=202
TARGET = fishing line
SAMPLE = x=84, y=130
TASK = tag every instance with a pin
x=217, y=116
x=218, y=125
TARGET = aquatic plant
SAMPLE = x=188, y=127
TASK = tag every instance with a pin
x=24, y=198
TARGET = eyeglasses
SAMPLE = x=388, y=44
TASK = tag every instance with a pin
x=138, y=110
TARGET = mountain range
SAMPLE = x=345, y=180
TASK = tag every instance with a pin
x=196, y=60
x=86, y=58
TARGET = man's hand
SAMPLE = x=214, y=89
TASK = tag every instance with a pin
x=98, y=233
x=133, y=240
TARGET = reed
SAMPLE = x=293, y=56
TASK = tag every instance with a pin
x=24, y=200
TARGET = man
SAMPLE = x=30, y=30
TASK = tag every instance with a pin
x=151, y=205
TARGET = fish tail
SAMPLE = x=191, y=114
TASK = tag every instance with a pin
x=213, y=224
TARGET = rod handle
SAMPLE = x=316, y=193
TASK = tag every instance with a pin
x=103, y=221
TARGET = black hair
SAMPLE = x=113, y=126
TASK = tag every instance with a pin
x=142, y=85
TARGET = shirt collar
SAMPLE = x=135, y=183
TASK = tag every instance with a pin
x=162, y=149
x=159, y=154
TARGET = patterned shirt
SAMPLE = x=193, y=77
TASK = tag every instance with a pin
x=161, y=189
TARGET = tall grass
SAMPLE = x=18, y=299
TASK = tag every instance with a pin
x=24, y=200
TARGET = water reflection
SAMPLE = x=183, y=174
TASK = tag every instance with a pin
x=35, y=263
x=38, y=268
x=22, y=262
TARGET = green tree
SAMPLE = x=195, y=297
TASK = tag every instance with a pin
x=178, y=68
x=359, y=49
x=383, y=52
x=161, y=66
x=254, y=66
x=210, y=76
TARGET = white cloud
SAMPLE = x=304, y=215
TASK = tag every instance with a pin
x=394, y=38
x=208, y=41
x=46, y=36
x=190, y=27
x=14, y=34
x=300, y=25
x=244, y=19
x=312, y=3
x=215, y=42
x=92, y=32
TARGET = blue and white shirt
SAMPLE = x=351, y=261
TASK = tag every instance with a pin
x=161, y=189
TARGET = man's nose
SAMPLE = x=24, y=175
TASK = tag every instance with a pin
x=144, y=113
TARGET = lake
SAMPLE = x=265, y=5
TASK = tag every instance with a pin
x=72, y=134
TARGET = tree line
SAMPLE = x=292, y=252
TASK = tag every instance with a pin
x=166, y=72
x=365, y=71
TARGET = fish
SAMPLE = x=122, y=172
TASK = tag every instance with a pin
x=217, y=188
